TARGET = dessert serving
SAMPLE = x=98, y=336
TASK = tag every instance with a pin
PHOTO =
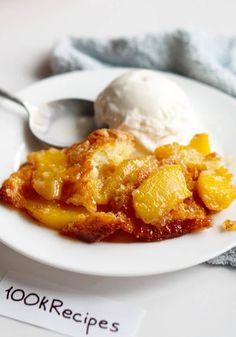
x=134, y=181
x=108, y=184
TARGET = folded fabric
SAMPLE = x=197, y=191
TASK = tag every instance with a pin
x=209, y=59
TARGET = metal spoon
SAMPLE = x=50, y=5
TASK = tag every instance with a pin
x=59, y=123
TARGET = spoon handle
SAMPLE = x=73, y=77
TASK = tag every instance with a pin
x=13, y=98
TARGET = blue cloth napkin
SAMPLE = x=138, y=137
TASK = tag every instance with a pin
x=209, y=59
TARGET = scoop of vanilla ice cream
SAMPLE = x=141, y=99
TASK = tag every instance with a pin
x=149, y=105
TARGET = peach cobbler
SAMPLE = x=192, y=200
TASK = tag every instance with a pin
x=106, y=184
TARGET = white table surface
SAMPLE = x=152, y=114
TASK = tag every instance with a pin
x=197, y=302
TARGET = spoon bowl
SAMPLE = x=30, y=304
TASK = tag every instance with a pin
x=63, y=122
x=58, y=123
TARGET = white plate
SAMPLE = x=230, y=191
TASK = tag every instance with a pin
x=215, y=109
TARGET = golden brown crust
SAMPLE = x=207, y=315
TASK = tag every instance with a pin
x=17, y=186
x=102, y=150
x=82, y=152
x=170, y=230
x=95, y=227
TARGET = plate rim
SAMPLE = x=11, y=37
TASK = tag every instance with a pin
x=88, y=271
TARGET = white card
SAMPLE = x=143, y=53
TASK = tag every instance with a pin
x=53, y=307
